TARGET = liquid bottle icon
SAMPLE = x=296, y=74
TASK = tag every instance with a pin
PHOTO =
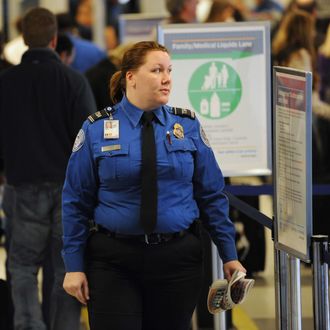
x=204, y=107
x=215, y=106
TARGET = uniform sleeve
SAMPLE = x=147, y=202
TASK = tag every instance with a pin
x=212, y=203
x=78, y=200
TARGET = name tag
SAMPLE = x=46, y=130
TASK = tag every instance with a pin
x=111, y=148
x=111, y=129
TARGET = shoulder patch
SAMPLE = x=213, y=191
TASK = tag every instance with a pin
x=204, y=137
x=184, y=112
x=98, y=115
x=79, y=141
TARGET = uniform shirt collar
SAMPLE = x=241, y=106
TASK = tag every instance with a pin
x=134, y=113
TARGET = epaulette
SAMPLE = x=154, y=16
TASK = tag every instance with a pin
x=98, y=115
x=184, y=112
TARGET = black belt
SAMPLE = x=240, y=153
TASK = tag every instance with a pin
x=153, y=238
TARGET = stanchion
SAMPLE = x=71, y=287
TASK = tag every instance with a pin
x=320, y=283
x=281, y=289
x=294, y=293
x=219, y=319
x=287, y=291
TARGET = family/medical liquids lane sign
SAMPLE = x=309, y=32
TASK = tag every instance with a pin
x=222, y=72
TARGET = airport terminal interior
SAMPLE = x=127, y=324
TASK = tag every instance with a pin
x=106, y=24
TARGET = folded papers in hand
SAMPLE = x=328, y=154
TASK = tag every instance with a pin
x=224, y=295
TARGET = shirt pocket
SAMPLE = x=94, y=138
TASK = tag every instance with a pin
x=181, y=157
x=115, y=164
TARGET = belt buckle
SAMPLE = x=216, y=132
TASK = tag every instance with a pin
x=151, y=242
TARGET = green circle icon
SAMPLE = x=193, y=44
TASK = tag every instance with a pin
x=215, y=90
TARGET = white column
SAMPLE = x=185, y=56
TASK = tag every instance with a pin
x=58, y=6
x=99, y=12
x=152, y=6
x=14, y=10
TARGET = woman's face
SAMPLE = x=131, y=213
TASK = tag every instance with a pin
x=149, y=87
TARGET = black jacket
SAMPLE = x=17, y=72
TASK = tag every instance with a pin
x=43, y=103
x=99, y=78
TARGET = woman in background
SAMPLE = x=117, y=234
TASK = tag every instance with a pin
x=293, y=46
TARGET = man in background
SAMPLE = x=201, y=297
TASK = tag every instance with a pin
x=42, y=106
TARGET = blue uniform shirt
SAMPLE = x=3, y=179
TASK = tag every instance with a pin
x=106, y=185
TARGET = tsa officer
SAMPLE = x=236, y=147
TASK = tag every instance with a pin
x=144, y=180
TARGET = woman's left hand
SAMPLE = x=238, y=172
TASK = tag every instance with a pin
x=230, y=267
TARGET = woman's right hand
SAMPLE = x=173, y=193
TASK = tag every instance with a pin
x=76, y=285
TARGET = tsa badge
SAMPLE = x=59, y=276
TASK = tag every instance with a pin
x=178, y=131
x=204, y=137
x=79, y=141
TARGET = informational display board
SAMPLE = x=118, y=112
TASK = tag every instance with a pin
x=138, y=27
x=222, y=72
x=292, y=119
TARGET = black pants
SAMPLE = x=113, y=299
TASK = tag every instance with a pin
x=134, y=286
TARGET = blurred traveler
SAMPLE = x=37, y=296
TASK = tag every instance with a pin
x=324, y=68
x=42, y=105
x=99, y=77
x=224, y=11
x=293, y=46
x=65, y=49
x=87, y=53
x=15, y=48
x=84, y=19
x=4, y=64
x=182, y=11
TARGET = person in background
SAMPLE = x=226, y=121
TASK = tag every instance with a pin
x=324, y=67
x=87, y=53
x=224, y=11
x=64, y=48
x=111, y=38
x=100, y=74
x=99, y=77
x=84, y=19
x=42, y=105
x=293, y=46
x=4, y=64
x=15, y=48
x=261, y=10
x=321, y=139
x=308, y=6
x=6, y=304
x=144, y=187
x=182, y=11
x=268, y=9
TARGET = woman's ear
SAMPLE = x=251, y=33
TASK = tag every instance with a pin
x=130, y=79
